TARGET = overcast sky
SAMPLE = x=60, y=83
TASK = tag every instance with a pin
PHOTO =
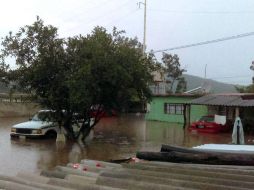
x=170, y=23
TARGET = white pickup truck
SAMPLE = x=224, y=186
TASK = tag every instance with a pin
x=42, y=124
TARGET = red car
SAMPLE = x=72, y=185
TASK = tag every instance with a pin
x=206, y=124
x=103, y=113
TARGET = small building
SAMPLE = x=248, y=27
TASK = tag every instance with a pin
x=230, y=105
x=174, y=108
x=160, y=84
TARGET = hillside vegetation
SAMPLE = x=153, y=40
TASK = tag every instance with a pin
x=216, y=87
x=192, y=82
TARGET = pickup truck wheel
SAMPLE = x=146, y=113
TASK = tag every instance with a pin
x=51, y=134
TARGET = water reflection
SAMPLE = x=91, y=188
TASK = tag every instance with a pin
x=114, y=138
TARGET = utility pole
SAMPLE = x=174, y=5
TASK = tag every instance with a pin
x=144, y=37
x=252, y=68
x=205, y=70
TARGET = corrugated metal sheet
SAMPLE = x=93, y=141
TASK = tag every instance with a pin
x=135, y=176
x=235, y=100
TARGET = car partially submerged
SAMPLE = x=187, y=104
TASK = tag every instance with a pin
x=42, y=124
x=208, y=124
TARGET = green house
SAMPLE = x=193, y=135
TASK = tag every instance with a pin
x=175, y=108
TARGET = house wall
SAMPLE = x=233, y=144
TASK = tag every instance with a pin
x=158, y=88
x=248, y=113
x=197, y=111
x=18, y=109
x=157, y=109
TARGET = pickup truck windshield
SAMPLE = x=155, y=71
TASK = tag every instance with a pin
x=43, y=116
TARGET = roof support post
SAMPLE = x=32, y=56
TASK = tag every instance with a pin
x=237, y=112
x=186, y=115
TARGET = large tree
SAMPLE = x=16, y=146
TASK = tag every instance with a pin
x=248, y=88
x=174, y=72
x=82, y=74
x=245, y=89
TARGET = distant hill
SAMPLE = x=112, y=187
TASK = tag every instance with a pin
x=192, y=82
x=216, y=87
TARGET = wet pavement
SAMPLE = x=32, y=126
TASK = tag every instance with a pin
x=114, y=138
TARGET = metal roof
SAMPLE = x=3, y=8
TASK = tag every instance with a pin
x=234, y=100
x=146, y=175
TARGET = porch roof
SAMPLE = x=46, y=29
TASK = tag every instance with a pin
x=233, y=100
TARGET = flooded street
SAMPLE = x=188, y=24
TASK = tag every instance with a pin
x=114, y=138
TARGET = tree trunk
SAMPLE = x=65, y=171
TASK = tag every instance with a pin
x=184, y=116
x=199, y=158
x=86, y=130
x=68, y=127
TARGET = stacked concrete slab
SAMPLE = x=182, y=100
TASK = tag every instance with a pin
x=98, y=175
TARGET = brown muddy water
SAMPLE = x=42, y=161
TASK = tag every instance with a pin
x=114, y=138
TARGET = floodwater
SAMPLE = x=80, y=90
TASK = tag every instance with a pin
x=114, y=138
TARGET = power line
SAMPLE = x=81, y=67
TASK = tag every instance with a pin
x=107, y=13
x=236, y=79
x=76, y=13
x=122, y=17
x=237, y=82
x=202, y=12
x=230, y=77
x=207, y=42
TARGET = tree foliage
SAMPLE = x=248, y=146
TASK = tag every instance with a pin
x=245, y=89
x=100, y=70
x=181, y=85
x=248, y=88
x=174, y=72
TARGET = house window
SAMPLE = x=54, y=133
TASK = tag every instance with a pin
x=174, y=109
